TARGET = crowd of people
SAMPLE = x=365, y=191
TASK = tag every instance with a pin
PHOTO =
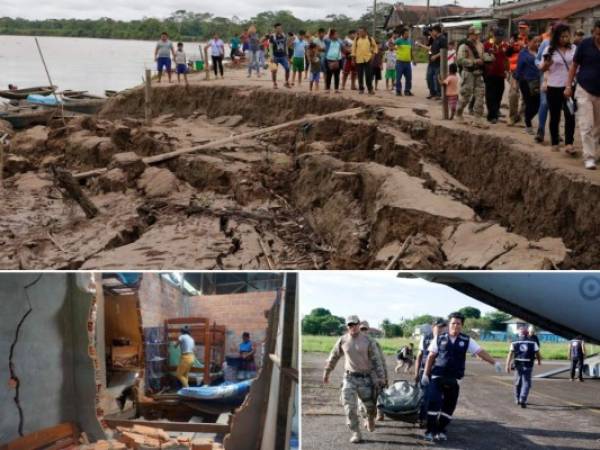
x=553, y=76
x=439, y=367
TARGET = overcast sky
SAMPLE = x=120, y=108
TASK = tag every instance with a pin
x=375, y=296
x=137, y=9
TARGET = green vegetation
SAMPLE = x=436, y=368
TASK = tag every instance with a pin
x=183, y=25
x=323, y=344
x=320, y=321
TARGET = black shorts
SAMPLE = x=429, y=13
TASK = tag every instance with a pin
x=377, y=73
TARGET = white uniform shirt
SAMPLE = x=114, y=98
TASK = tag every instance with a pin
x=186, y=342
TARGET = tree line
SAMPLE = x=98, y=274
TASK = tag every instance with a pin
x=320, y=321
x=183, y=25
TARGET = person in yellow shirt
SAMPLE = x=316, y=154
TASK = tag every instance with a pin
x=364, y=48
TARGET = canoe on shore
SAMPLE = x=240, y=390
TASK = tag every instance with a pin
x=21, y=94
x=85, y=104
x=23, y=117
x=111, y=93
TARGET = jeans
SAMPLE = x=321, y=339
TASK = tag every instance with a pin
x=542, y=113
x=254, y=62
x=532, y=102
x=365, y=75
x=433, y=82
x=403, y=68
x=556, y=104
x=494, y=90
x=522, y=382
x=577, y=363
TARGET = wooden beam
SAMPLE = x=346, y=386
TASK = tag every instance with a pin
x=172, y=426
x=43, y=438
x=289, y=372
x=287, y=352
x=71, y=187
x=254, y=133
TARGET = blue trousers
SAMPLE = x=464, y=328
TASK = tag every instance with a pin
x=433, y=83
x=443, y=396
x=542, y=114
x=522, y=382
x=403, y=69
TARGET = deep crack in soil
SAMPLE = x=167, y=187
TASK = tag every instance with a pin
x=382, y=186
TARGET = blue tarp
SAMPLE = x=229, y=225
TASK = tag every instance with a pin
x=230, y=393
x=37, y=99
x=128, y=278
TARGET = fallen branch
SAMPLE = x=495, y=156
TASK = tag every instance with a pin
x=255, y=133
x=266, y=253
x=70, y=185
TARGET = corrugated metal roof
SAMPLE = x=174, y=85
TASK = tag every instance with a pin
x=562, y=10
x=401, y=14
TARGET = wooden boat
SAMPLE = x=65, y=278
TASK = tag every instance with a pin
x=24, y=117
x=111, y=93
x=21, y=94
x=83, y=103
x=72, y=94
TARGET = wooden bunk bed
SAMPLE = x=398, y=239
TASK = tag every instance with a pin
x=211, y=337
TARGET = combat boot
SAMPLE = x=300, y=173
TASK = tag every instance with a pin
x=371, y=423
x=356, y=438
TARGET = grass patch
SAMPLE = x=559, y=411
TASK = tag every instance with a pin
x=556, y=351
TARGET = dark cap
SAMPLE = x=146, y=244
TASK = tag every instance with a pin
x=440, y=322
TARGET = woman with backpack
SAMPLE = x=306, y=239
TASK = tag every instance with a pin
x=557, y=61
x=364, y=49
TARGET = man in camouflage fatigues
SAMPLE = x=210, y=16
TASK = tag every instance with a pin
x=472, y=84
x=364, y=328
x=363, y=374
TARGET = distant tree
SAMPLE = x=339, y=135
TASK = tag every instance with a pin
x=391, y=329
x=496, y=319
x=470, y=312
x=320, y=321
x=320, y=312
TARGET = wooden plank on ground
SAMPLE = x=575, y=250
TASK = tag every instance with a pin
x=172, y=426
x=250, y=134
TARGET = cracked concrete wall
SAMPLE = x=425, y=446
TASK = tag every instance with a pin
x=50, y=357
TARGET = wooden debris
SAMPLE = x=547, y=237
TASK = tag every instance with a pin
x=71, y=187
x=403, y=249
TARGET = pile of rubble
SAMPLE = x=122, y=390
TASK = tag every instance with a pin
x=147, y=438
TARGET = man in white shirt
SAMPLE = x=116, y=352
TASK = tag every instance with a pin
x=444, y=367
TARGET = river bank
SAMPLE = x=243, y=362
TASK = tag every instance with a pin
x=387, y=185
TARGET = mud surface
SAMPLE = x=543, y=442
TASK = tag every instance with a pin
x=485, y=418
x=381, y=188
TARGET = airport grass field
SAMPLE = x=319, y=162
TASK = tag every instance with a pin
x=555, y=351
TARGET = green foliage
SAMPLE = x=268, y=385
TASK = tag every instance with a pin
x=321, y=321
x=183, y=25
x=496, y=319
x=470, y=312
x=391, y=329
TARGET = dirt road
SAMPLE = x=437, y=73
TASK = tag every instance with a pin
x=561, y=415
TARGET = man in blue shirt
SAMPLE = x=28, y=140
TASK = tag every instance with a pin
x=247, y=366
x=543, y=110
x=586, y=66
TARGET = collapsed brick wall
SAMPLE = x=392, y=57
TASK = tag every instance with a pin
x=159, y=300
x=238, y=312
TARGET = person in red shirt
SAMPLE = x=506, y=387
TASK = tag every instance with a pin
x=495, y=74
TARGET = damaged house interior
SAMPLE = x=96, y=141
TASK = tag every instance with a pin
x=170, y=360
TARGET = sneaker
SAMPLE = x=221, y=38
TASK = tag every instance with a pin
x=569, y=150
x=493, y=121
x=356, y=438
x=428, y=437
x=371, y=424
x=523, y=405
x=441, y=437
x=529, y=130
x=539, y=138
x=399, y=94
x=555, y=148
x=408, y=93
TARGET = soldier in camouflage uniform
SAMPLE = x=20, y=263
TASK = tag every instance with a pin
x=364, y=328
x=361, y=359
x=472, y=84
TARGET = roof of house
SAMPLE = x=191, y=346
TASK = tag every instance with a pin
x=401, y=14
x=561, y=10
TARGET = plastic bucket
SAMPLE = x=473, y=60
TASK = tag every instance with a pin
x=199, y=65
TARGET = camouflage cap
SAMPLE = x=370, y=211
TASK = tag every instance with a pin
x=352, y=319
x=364, y=324
x=473, y=30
